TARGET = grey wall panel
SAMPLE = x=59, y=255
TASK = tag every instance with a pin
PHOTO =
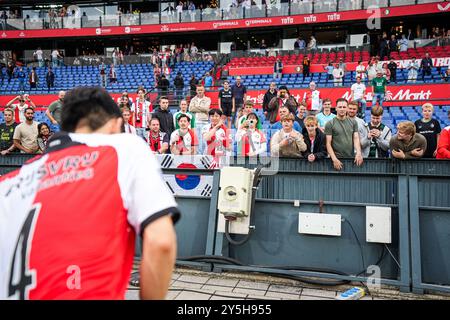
x=425, y=166
x=16, y=159
x=435, y=246
x=358, y=188
x=276, y=241
x=192, y=228
x=434, y=191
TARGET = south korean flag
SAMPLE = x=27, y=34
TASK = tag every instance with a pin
x=188, y=185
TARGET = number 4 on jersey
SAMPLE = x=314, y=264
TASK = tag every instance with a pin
x=22, y=279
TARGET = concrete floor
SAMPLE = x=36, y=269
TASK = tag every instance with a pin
x=190, y=284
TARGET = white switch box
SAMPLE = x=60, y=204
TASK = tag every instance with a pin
x=239, y=226
x=378, y=224
x=319, y=223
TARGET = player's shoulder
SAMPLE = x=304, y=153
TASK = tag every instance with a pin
x=122, y=142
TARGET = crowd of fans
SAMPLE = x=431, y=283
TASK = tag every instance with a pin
x=20, y=132
x=310, y=128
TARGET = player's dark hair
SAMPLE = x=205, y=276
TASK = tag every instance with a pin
x=91, y=106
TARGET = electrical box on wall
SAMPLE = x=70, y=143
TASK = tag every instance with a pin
x=235, y=197
x=319, y=223
x=378, y=224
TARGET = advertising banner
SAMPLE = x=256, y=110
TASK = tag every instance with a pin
x=397, y=95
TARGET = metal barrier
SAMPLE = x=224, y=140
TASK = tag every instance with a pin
x=429, y=214
x=276, y=243
x=416, y=191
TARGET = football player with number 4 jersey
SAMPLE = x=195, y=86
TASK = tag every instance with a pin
x=69, y=217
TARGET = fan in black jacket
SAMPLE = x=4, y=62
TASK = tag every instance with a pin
x=271, y=93
x=178, y=83
x=165, y=116
x=315, y=149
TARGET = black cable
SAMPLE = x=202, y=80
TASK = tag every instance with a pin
x=359, y=244
x=219, y=259
x=212, y=258
x=230, y=239
x=382, y=255
x=307, y=279
x=330, y=283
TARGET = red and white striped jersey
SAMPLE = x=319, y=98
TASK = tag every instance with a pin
x=68, y=218
x=142, y=110
x=219, y=143
x=19, y=112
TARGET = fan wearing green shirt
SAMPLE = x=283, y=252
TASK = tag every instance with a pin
x=379, y=89
x=184, y=110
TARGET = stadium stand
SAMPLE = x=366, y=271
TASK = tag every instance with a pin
x=134, y=75
x=129, y=76
x=296, y=80
x=316, y=58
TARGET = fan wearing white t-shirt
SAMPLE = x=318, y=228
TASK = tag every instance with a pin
x=338, y=76
x=361, y=70
x=358, y=94
x=39, y=56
